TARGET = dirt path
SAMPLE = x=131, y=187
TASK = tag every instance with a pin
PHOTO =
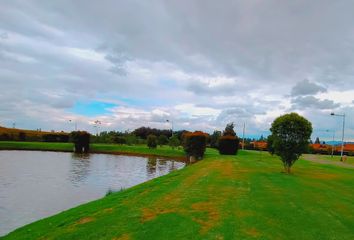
x=317, y=159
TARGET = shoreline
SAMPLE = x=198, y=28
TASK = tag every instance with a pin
x=179, y=158
x=115, y=149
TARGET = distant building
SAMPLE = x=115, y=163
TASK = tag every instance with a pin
x=327, y=148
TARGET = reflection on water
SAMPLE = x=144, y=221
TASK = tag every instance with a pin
x=80, y=167
x=34, y=185
x=151, y=165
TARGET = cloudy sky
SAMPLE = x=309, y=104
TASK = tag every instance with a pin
x=200, y=64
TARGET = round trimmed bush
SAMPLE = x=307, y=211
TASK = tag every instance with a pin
x=194, y=144
x=228, y=145
x=81, y=140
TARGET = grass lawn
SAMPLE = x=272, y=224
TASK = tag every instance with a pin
x=335, y=158
x=104, y=148
x=221, y=197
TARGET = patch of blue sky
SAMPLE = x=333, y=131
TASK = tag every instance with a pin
x=92, y=108
x=168, y=83
x=124, y=101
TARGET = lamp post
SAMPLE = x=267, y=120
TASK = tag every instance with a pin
x=74, y=123
x=332, y=141
x=97, y=123
x=343, y=116
x=170, y=121
x=243, y=136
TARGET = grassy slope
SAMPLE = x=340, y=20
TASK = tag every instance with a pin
x=242, y=197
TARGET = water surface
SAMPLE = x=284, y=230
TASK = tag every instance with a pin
x=35, y=184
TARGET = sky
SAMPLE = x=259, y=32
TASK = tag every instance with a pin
x=200, y=64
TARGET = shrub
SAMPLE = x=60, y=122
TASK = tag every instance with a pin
x=194, y=144
x=152, y=141
x=62, y=137
x=5, y=137
x=162, y=140
x=229, y=142
x=81, y=140
x=22, y=136
x=228, y=145
x=55, y=137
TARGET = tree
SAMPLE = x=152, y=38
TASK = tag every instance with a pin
x=174, y=141
x=317, y=141
x=261, y=138
x=290, y=134
x=162, y=140
x=152, y=141
x=214, y=139
x=130, y=139
x=229, y=130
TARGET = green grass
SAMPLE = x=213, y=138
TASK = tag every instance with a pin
x=335, y=158
x=221, y=197
x=104, y=148
x=350, y=159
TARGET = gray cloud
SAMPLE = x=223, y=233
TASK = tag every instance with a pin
x=306, y=87
x=239, y=58
x=304, y=102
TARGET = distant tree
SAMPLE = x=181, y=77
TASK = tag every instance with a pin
x=174, y=141
x=119, y=139
x=229, y=130
x=152, y=141
x=162, y=140
x=214, y=139
x=143, y=132
x=317, y=141
x=290, y=134
x=131, y=139
x=179, y=134
x=261, y=138
x=270, y=144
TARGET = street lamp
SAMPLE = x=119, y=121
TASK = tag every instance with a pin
x=343, y=116
x=97, y=122
x=75, y=124
x=171, y=126
x=243, y=136
x=332, y=141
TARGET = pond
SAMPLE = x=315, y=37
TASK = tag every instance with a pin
x=35, y=184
